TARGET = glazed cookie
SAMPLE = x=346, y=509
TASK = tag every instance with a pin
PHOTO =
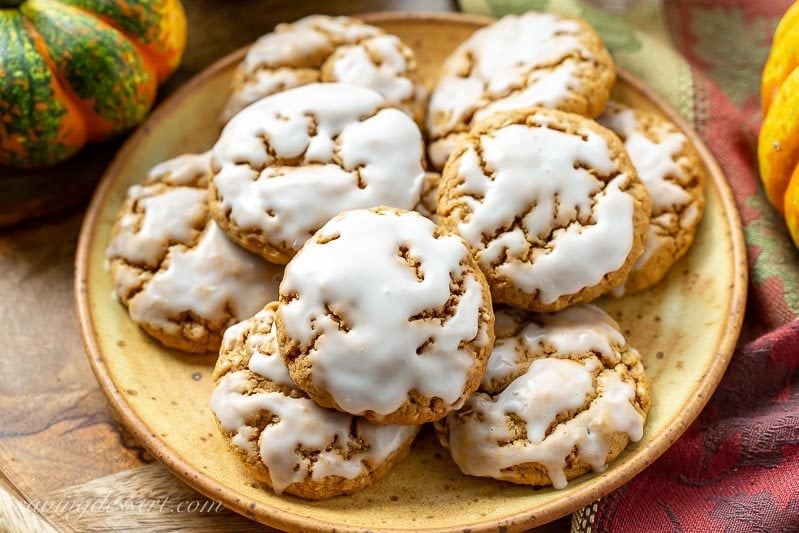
x=563, y=394
x=288, y=163
x=329, y=49
x=670, y=168
x=534, y=59
x=181, y=279
x=385, y=315
x=550, y=204
x=284, y=439
x=427, y=200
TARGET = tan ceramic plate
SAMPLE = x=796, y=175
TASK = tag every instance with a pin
x=686, y=328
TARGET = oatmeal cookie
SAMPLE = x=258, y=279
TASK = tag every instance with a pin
x=563, y=394
x=399, y=330
x=550, y=204
x=329, y=49
x=427, y=200
x=181, y=279
x=288, y=163
x=534, y=59
x=670, y=168
x=283, y=438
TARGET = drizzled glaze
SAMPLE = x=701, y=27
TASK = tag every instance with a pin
x=507, y=65
x=538, y=178
x=299, y=423
x=290, y=162
x=361, y=322
x=543, y=367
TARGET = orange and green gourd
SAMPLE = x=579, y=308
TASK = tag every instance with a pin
x=74, y=71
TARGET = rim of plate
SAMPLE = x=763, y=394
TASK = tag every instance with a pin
x=273, y=516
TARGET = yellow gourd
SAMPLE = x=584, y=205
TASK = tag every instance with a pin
x=778, y=143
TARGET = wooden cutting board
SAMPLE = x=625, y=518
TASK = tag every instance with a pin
x=64, y=463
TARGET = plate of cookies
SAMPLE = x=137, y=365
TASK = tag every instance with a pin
x=411, y=272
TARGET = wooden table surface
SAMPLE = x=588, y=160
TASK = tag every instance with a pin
x=64, y=462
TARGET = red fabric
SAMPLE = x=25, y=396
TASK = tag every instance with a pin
x=737, y=467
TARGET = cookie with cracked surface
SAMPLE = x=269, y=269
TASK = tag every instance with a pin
x=283, y=438
x=329, y=49
x=563, y=394
x=427, y=200
x=180, y=278
x=399, y=330
x=670, y=168
x=551, y=205
x=521, y=61
x=288, y=163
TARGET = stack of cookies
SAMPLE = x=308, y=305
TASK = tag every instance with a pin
x=366, y=261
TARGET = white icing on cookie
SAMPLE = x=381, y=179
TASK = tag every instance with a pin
x=331, y=49
x=507, y=65
x=479, y=433
x=210, y=280
x=340, y=29
x=383, y=349
x=579, y=329
x=174, y=216
x=289, y=45
x=657, y=163
x=263, y=83
x=269, y=364
x=379, y=63
x=439, y=150
x=172, y=265
x=293, y=160
x=586, y=224
x=161, y=215
x=265, y=357
x=191, y=170
x=302, y=425
x=546, y=90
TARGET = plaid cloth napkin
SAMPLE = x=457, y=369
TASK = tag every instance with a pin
x=737, y=467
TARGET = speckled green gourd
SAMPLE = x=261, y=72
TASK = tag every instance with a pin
x=73, y=71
